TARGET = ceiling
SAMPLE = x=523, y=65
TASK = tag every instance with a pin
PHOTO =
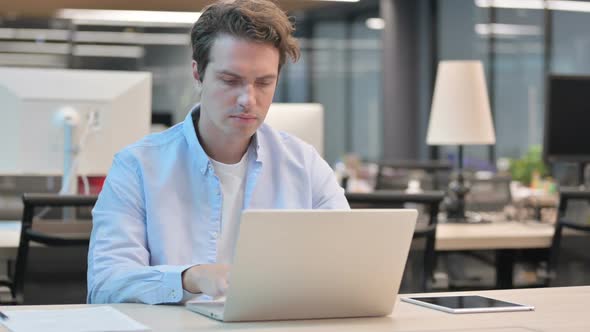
x=46, y=8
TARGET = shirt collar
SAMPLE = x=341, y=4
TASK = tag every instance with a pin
x=200, y=156
x=257, y=145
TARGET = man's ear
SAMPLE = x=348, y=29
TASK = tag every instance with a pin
x=196, y=75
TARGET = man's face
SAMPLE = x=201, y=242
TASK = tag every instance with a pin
x=238, y=87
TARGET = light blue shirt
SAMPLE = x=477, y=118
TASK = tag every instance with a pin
x=159, y=211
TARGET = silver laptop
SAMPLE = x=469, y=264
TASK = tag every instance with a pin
x=304, y=264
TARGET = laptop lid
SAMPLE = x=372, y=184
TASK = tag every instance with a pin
x=302, y=264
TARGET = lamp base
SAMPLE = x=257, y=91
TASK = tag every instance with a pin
x=454, y=204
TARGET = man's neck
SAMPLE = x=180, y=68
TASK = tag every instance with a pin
x=219, y=147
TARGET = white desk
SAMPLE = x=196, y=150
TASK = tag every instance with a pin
x=557, y=309
x=449, y=237
x=9, y=239
x=497, y=235
x=503, y=237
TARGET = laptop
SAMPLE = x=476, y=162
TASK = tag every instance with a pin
x=307, y=264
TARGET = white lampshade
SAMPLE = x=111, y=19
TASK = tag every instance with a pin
x=460, y=113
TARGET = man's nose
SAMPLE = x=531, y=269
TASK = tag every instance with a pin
x=246, y=98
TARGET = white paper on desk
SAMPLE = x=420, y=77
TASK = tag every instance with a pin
x=91, y=319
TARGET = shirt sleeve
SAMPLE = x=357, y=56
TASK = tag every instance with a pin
x=118, y=257
x=327, y=193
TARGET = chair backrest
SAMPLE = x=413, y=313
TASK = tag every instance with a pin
x=398, y=199
x=566, y=196
x=396, y=174
x=48, y=233
x=488, y=194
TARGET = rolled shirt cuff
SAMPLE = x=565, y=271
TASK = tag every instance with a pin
x=171, y=290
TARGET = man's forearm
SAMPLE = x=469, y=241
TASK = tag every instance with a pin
x=149, y=284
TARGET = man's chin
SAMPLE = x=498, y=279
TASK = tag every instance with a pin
x=243, y=131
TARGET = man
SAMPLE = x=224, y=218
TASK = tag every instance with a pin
x=167, y=219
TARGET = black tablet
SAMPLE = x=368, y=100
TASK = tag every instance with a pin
x=466, y=304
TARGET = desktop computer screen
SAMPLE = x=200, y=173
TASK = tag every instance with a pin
x=305, y=121
x=567, y=117
x=109, y=110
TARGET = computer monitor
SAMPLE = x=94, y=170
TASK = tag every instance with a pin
x=112, y=107
x=305, y=121
x=567, y=117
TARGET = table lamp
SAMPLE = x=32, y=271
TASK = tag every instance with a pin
x=460, y=115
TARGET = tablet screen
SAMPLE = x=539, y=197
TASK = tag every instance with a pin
x=466, y=302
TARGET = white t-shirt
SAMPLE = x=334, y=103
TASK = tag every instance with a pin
x=233, y=180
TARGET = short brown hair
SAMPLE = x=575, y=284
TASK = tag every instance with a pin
x=257, y=20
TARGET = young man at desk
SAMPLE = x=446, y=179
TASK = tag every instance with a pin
x=167, y=219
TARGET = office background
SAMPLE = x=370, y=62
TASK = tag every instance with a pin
x=370, y=63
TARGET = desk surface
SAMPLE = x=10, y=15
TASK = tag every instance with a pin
x=497, y=235
x=557, y=309
x=9, y=239
x=449, y=237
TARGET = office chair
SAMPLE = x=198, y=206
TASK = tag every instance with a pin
x=57, y=233
x=398, y=199
x=562, y=223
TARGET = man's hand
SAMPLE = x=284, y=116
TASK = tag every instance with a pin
x=210, y=279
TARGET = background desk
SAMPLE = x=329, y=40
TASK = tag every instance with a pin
x=449, y=237
x=504, y=237
x=557, y=309
x=9, y=239
x=493, y=236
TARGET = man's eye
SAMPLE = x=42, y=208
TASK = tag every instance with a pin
x=264, y=83
x=231, y=82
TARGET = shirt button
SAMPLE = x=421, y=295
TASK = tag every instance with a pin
x=215, y=234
